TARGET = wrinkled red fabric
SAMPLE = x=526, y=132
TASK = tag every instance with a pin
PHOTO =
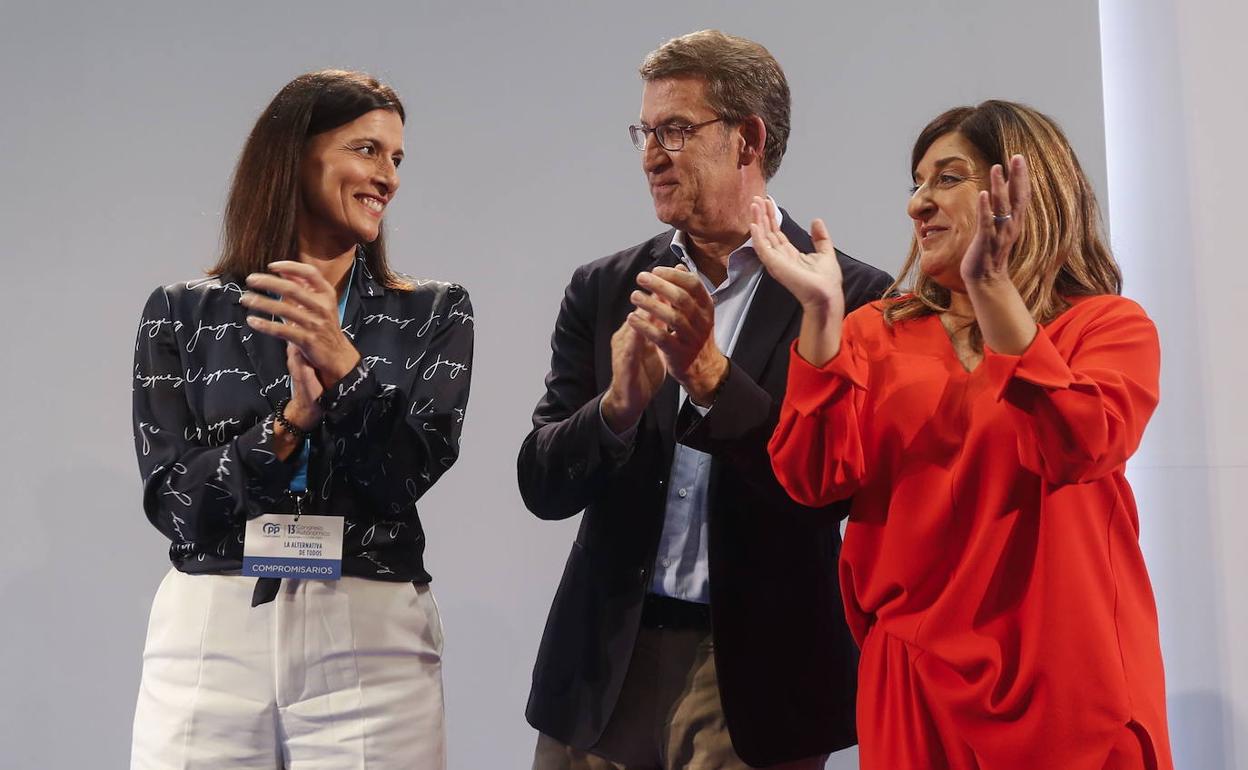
x=991, y=569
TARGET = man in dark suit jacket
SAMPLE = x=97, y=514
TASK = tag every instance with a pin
x=698, y=621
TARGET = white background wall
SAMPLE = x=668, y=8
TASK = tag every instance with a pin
x=1176, y=120
x=120, y=122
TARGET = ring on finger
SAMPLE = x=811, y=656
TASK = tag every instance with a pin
x=1002, y=218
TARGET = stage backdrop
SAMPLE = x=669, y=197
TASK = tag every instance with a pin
x=119, y=128
x=1175, y=112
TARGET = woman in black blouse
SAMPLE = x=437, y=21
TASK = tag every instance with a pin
x=303, y=383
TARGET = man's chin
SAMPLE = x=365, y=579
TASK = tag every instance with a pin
x=670, y=216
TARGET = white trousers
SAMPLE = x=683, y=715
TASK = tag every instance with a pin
x=329, y=675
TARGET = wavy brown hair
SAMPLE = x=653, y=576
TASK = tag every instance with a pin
x=260, y=212
x=1061, y=251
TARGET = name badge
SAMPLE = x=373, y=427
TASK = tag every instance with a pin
x=278, y=545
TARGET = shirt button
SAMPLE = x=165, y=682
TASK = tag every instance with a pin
x=666, y=562
x=682, y=492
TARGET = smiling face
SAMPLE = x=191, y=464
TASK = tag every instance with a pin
x=945, y=207
x=347, y=177
x=698, y=188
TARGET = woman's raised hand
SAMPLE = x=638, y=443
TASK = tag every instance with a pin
x=1004, y=318
x=308, y=310
x=1001, y=211
x=813, y=279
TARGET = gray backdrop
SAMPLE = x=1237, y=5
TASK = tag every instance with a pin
x=119, y=128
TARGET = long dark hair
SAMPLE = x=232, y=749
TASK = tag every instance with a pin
x=260, y=213
x=1061, y=251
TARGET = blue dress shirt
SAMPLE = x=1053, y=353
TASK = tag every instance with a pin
x=681, y=565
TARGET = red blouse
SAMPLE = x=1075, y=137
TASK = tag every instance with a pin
x=991, y=570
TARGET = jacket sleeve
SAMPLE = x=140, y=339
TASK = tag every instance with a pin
x=745, y=416
x=195, y=487
x=1079, y=419
x=817, y=448
x=736, y=431
x=393, y=444
x=564, y=462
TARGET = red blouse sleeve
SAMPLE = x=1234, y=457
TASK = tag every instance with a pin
x=816, y=450
x=1080, y=415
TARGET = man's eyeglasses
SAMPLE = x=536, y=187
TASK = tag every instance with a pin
x=671, y=137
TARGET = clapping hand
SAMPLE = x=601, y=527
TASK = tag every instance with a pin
x=636, y=374
x=318, y=353
x=304, y=408
x=1004, y=318
x=1001, y=211
x=308, y=310
x=813, y=279
x=676, y=314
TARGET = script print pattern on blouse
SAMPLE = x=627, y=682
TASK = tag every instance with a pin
x=204, y=390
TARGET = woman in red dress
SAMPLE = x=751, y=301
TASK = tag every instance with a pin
x=991, y=571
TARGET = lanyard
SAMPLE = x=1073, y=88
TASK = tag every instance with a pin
x=299, y=484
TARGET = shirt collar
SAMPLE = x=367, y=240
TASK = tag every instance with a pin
x=362, y=277
x=741, y=260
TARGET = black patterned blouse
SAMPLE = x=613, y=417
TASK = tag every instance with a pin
x=205, y=387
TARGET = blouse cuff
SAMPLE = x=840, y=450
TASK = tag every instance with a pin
x=255, y=449
x=348, y=394
x=811, y=387
x=1040, y=364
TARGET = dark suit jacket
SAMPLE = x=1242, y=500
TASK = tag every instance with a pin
x=205, y=388
x=786, y=664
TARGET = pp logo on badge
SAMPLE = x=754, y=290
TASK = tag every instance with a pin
x=279, y=545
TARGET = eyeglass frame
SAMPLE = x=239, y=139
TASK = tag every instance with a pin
x=647, y=131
